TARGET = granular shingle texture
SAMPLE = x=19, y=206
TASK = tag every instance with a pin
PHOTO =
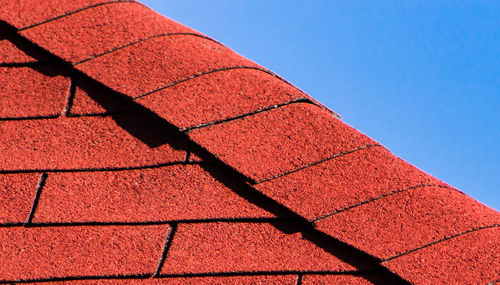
x=135, y=150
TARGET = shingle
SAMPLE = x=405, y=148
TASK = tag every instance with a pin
x=9, y=53
x=79, y=143
x=91, y=32
x=344, y=181
x=471, y=258
x=179, y=192
x=22, y=14
x=236, y=247
x=408, y=220
x=220, y=95
x=33, y=91
x=280, y=140
x=17, y=192
x=47, y=252
x=156, y=63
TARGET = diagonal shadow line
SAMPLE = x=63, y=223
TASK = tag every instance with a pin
x=41, y=56
x=155, y=131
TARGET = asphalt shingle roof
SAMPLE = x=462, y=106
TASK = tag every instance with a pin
x=136, y=150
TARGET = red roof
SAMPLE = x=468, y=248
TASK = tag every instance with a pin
x=136, y=150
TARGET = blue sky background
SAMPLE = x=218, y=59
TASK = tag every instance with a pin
x=421, y=77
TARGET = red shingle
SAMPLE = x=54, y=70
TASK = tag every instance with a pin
x=233, y=247
x=179, y=192
x=467, y=259
x=25, y=13
x=76, y=143
x=32, y=91
x=158, y=62
x=407, y=220
x=344, y=181
x=280, y=140
x=17, y=192
x=94, y=31
x=9, y=53
x=79, y=251
x=220, y=95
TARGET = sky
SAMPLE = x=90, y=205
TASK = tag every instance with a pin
x=420, y=77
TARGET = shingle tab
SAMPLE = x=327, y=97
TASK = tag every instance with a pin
x=9, y=53
x=91, y=32
x=179, y=192
x=48, y=252
x=236, y=247
x=220, y=95
x=22, y=14
x=33, y=91
x=17, y=192
x=78, y=144
x=156, y=63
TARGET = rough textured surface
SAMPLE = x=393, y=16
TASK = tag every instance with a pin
x=92, y=32
x=133, y=150
x=79, y=251
x=279, y=140
x=188, y=191
x=78, y=143
x=471, y=258
x=233, y=247
x=32, y=91
x=344, y=181
x=17, y=192
x=9, y=53
x=146, y=66
x=407, y=220
x=22, y=14
x=199, y=99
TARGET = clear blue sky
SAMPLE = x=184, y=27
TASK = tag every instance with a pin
x=421, y=77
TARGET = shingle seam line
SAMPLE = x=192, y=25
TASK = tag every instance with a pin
x=41, y=184
x=441, y=240
x=66, y=112
x=166, y=247
x=189, y=275
x=70, y=115
x=77, y=11
x=46, y=117
x=142, y=40
x=258, y=111
x=58, y=170
x=213, y=71
x=151, y=223
x=318, y=162
x=299, y=279
x=381, y=197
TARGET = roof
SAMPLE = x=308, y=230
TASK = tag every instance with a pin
x=137, y=150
